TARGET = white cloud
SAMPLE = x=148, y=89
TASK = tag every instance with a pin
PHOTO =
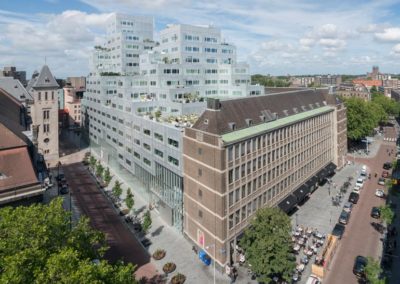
x=388, y=35
x=332, y=44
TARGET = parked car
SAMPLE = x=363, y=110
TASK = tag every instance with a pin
x=344, y=217
x=353, y=198
x=363, y=175
x=360, y=182
x=338, y=230
x=357, y=189
x=146, y=242
x=64, y=189
x=381, y=181
x=375, y=212
x=359, y=266
x=387, y=165
x=380, y=193
x=385, y=174
x=348, y=206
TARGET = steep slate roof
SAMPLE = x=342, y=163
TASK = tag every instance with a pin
x=16, y=168
x=45, y=79
x=15, y=88
x=241, y=111
x=9, y=139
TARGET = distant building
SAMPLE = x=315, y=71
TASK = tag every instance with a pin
x=15, y=88
x=328, y=80
x=301, y=81
x=350, y=90
x=376, y=75
x=72, y=105
x=368, y=83
x=395, y=95
x=78, y=83
x=44, y=89
x=12, y=72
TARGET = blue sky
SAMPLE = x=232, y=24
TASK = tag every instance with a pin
x=276, y=37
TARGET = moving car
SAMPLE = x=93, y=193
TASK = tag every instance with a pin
x=338, y=230
x=313, y=280
x=359, y=266
x=348, y=206
x=360, y=182
x=380, y=193
x=385, y=174
x=381, y=181
x=387, y=165
x=344, y=217
x=353, y=198
x=375, y=212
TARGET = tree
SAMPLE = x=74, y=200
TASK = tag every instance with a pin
x=146, y=225
x=269, y=233
x=117, y=190
x=373, y=271
x=129, y=201
x=99, y=169
x=387, y=214
x=37, y=245
x=92, y=162
x=360, y=120
x=107, y=176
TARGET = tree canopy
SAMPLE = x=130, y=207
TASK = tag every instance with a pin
x=267, y=245
x=269, y=81
x=373, y=271
x=37, y=245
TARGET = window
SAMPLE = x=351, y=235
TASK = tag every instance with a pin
x=200, y=193
x=200, y=151
x=146, y=131
x=159, y=153
x=147, y=146
x=200, y=172
x=173, y=161
x=46, y=128
x=46, y=114
x=45, y=96
x=200, y=214
x=173, y=142
x=39, y=96
x=147, y=162
x=137, y=155
x=158, y=136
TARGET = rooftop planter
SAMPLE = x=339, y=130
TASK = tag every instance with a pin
x=178, y=279
x=159, y=254
x=169, y=267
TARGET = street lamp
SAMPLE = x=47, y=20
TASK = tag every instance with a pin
x=215, y=257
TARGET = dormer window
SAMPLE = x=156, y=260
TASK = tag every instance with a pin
x=232, y=126
x=249, y=122
x=303, y=108
x=262, y=117
x=47, y=80
x=206, y=121
x=295, y=110
x=285, y=112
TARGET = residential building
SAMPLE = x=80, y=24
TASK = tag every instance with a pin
x=12, y=72
x=15, y=88
x=302, y=81
x=328, y=80
x=368, y=83
x=249, y=153
x=353, y=90
x=78, y=83
x=141, y=94
x=72, y=105
x=43, y=88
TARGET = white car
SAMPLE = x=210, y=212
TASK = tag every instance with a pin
x=313, y=280
x=357, y=189
x=379, y=193
x=360, y=182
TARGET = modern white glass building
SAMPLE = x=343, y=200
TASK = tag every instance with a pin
x=141, y=94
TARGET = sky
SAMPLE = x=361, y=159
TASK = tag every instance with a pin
x=276, y=37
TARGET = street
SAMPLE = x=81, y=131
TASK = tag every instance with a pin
x=360, y=237
x=92, y=203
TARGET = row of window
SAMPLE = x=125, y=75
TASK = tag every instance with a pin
x=278, y=136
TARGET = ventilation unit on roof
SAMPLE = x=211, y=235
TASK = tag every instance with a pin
x=325, y=103
x=317, y=104
x=274, y=116
x=295, y=110
x=311, y=106
x=232, y=125
x=262, y=118
x=303, y=108
x=285, y=112
x=249, y=122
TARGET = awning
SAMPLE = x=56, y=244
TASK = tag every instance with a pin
x=288, y=203
x=204, y=257
x=311, y=182
x=331, y=167
x=301, y=192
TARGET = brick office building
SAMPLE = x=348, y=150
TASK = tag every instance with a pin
x=248, y=153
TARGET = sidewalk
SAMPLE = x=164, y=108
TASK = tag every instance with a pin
x=162, y=236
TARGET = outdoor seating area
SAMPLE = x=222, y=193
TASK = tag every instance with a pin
x=306, y=244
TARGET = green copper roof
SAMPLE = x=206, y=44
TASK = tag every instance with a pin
x=264, y=127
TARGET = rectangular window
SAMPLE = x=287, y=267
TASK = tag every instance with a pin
x=159, y=153
x=173, y=142
x=46, y=128
x=146, y=131
x=173, y=161
x=158, y=136
x=46, y=114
